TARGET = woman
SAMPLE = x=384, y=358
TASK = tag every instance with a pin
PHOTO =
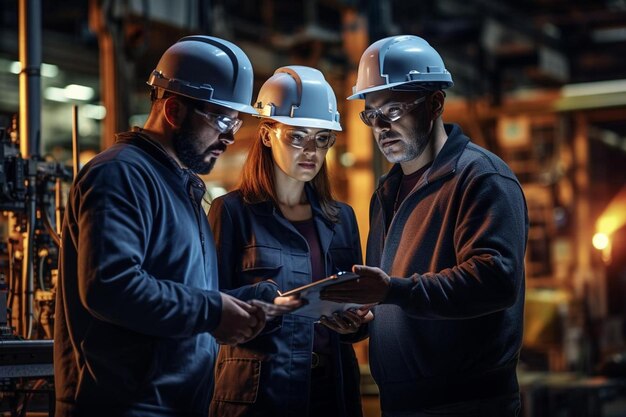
x=281, y=229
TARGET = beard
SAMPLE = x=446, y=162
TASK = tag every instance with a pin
x=414, y=143
x=189, y=149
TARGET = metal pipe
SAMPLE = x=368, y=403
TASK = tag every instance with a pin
x=29, y=259
x=75, y=149
x=30, y=76
x=58, y=209
x=30, y=133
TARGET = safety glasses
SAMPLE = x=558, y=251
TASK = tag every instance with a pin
x=299, y=140
x=223, y=124
x=389, y=112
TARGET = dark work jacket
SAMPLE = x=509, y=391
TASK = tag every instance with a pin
x=269, y=376
x=450, y=328
x=137, y=292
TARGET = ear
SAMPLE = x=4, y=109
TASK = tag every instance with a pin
x=265, y=137
x=174, y=111
x=436, y=103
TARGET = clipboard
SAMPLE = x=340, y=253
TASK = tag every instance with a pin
x=315, y=307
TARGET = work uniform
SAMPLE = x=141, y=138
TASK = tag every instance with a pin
x=137, y=291
x=271, y=374
x=450, y=329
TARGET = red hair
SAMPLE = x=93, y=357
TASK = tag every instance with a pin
x=257, y=179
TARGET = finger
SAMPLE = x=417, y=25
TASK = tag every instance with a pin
x=328, y=323
x=260, y=317
x=352, y=319
x=343, y=321
x=332, y=324
x=368, y=317
x=365, y=308
x=247, y=307
x=290, y=301
x=366, y=271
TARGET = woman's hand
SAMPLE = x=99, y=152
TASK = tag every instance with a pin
x=348, y=321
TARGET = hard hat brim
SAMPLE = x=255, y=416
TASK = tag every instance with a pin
x=361, y=94
x=304, y=122
x=242, y=108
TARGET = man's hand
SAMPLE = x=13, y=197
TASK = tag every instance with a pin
x=348, y=321
x=240, y=321
x=371, y=288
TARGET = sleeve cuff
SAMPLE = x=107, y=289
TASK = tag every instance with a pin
x=214, y=300
x=266, y=291
x=399, y=291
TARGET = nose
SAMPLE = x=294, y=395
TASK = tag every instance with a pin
x=227, y=138
x=309, y=147
x=379, y=125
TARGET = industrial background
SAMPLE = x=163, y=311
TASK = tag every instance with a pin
x=542, y=83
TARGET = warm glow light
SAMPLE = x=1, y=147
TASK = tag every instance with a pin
x=614, y=216
x=600, y=241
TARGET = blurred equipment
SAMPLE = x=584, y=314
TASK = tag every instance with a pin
x=30, y=194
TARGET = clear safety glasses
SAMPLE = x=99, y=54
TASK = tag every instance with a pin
x=224, y=124
x=299, y=139
x=389, y=112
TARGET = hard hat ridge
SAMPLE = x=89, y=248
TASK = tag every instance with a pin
x=400, y=62
x=299, y=96
x=209, y=69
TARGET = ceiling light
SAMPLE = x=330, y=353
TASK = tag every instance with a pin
x=79, y=92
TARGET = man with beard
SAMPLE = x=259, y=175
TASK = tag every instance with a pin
x=445, y=251
x=138, y=312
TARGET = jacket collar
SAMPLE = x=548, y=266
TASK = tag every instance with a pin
x=447, y=159
x=138, y=138
x=268, y=208
x=445, y=162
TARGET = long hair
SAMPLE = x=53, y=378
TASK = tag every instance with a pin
x=257, y=179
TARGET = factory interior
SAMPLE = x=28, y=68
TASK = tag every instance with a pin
x=540, y=83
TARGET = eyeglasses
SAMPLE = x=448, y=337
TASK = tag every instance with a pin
x=298, y=139
x=224, y=124
x=389, y=112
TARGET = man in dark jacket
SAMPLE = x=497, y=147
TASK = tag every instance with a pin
x=138, y=312
x=445, y=251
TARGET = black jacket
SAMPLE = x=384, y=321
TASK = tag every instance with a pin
x=451, y=327
x=270, y=375
x=137, y=289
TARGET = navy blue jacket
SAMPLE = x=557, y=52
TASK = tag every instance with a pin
x=450, y=328
x=270, y=375
x=137, y=291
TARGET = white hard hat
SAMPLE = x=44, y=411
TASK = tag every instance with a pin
x=208, y=69
x=404, y=61
x=299, y=96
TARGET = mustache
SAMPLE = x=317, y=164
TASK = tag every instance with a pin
x=219, y=146
x=387, y=135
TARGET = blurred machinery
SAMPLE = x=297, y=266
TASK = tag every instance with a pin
x=30, y=193
x=30, y=200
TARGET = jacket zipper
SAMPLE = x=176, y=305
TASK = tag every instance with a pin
x=196, y=209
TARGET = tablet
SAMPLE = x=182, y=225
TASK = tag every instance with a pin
x=315, y=307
